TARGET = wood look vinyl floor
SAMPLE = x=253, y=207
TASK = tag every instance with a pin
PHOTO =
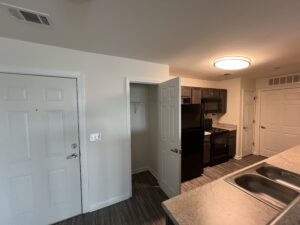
x=215, y=172
x=144, y=208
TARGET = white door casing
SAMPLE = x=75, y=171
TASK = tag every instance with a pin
x=248, y=98
x=279, y=120
x=169, y=137
x=38, y=125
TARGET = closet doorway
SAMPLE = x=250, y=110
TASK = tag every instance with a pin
x=154, y=122
x=144, y=128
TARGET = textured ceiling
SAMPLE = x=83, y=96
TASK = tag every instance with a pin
x=187, y=35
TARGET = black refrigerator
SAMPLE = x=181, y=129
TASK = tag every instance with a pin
x=192, y=141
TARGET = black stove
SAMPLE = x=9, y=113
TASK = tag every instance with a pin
x=219, y=150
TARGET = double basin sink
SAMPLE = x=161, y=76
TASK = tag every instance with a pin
x=272, y=185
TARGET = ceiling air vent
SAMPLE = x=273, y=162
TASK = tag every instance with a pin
x=284, y=80
x=27, y=15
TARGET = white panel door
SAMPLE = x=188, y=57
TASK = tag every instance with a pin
x=38, y=131
x=169, y=137
x=280, y=120
x=248, y=122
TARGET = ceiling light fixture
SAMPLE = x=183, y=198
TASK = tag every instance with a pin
x=232, y=63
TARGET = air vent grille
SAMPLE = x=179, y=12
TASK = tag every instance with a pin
x=27, y=15
x=284, y=80
x=30, y=17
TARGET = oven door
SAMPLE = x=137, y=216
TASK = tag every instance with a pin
x=211, y=105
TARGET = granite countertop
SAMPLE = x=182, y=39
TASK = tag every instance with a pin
x=225, y=126
x=219, y=202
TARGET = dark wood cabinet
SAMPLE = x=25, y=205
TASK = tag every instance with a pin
x=196, y=95
x=223, y=96
x=186, y=92
x=232, y=143
x=210, y=93
x=169, y=221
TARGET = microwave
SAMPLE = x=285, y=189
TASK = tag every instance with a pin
x=212, y=105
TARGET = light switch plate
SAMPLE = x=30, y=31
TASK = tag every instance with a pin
x=95, y=137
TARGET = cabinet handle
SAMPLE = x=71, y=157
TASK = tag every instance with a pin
x=263, y=127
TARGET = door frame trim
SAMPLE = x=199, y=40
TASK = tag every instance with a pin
x=257, y=135
x=127, y=83
x=80, y=88
x=242, y=119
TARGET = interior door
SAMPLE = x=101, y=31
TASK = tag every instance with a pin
x=169, y=137
x=248, y=121
x=279, y=120
x=39, y=154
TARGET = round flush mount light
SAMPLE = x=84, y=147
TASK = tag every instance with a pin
x=232, y=63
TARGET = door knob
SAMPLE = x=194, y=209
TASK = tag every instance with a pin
x=74, y=145
x=72, y=156
x=174, y=150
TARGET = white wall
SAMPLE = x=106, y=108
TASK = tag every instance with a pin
x=144, y=127
x=190, y=82
x=105, y=105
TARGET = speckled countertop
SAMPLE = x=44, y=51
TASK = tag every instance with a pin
x=219, y=202
x=225, y=126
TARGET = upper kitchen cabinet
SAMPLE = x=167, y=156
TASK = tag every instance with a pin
x=223, y=97
x=210, y=93
x=213, y=100
x=186, y=95
x=186, y=92
x=196, y=95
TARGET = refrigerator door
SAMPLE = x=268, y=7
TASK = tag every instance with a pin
x=192, y=153
x=191, y=116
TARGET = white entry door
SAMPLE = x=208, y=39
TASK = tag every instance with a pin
x=39, y=153
x=279, y=120
x=248, y=121
x=169, y=137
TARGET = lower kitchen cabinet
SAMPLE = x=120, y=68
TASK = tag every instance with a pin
x=169, y=221
x=232, y=143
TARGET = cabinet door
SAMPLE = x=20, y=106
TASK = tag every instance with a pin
x=186, y=92
x=210, y=93
x=232, y=143
x=223, y=96
x=196, y=95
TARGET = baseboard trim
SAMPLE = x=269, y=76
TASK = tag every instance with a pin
x=238, y=157
x=143, y=169
x=109, y=202
x=154, y=173
x=139, y=170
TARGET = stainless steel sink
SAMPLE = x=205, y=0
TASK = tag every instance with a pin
x=266, y=190
x=261, y=182
x=280, y=175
